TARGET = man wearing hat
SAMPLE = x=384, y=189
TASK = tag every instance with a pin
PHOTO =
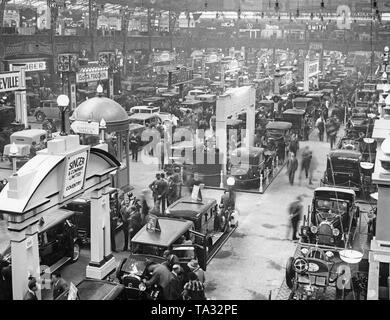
x=193, y=265
x=175, y=283
x=32, y=289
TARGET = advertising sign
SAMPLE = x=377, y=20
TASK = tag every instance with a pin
x=10, y=81
x=76, y=166
x=67, y=62
x=93, y=74
x=85, y=127
x=32, y=66
x=180, y=76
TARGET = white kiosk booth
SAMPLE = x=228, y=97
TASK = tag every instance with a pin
x=54, y=177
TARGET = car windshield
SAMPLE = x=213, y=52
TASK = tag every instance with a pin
x=138, y=121
x=331, y=207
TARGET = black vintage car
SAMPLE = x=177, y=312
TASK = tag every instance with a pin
x=297, y=118
x=57, y=239
x=82, y=209
x=343, y=170
x=148, y=247
x=247, y=164
x=360, y=122
x=332, y=218
x=92, y=289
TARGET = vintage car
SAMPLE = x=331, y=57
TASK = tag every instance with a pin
x=57, y=239
x=297, y=118
x=360, y=122
x=248, y=164
x=144, y=109
x=93, y=289
x=276, y=131
x=144, y=119
x=343, y=170
x=24, y=140
x=148, y=247
x=192, y=94
x=311, y=273
x=48, y=109
x=317, y=98
x=267, y=105
x=305, y=104
x=82, y=217
x=332, y=218
x=205, y=216
x=191, y=105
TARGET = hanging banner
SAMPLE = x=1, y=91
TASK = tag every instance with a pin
x=10, y=81
x=90, y=75
x=76, y=166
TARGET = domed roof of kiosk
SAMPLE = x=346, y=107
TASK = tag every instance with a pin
x=98, y=108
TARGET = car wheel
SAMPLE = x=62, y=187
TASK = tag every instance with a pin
x=40, y=116
x=290, y=273
x=76, y=252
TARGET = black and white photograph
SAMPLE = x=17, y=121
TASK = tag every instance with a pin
x=195, y=154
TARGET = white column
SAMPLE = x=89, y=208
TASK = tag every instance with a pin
x=25, y=260
x=102, y=262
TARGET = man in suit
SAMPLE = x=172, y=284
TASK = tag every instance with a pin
x=32, y=289
x=59, y=284
x=161, y=276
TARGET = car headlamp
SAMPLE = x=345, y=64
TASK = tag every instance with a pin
x=304, y=251
x=313, y=229
x=167, y=211
x=329, y=254
x=336, y=232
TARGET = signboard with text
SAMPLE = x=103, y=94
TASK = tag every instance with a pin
x=32, y=66
x=180, y=76
x=85, y=127
x=10, y=81
x=76, y=166
x=89, y=75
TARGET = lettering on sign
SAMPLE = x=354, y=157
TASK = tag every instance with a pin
x=313, y=69
x=9, y=81
x=75, y=173
x=89, y=76
x=33, y=66
x=85, y=127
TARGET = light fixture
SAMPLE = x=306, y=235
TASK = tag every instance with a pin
x=231, y=181
x=322, y=4
x=102, y=123
x=276, y=5
x=63, y=100
x=99, y=89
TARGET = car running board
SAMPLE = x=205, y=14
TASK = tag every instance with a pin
x=56, y=266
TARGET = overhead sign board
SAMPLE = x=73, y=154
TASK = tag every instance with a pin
x=10, y=81
x=180, y=76
x=91, y=74
x=85, y=127
x=76, y=166
x=31, y=66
